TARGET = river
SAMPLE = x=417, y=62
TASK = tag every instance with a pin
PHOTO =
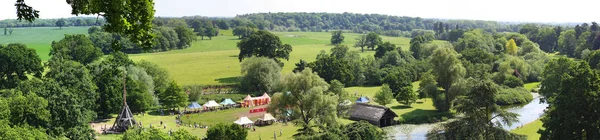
x=527, y=113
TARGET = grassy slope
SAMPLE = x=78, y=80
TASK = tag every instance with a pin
x=215, y=62
x=530, y=130
x=40, y=38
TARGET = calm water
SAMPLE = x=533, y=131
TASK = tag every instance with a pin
x=528, y=113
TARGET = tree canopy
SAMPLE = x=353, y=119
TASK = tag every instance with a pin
x=264, y=44
x=17, y=62
x=260, y=74
x=78, y=48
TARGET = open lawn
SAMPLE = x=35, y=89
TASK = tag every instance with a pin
x=40, y=38
x=215, y=62
x=530, y=130
x=531, y=86
x=420, y=111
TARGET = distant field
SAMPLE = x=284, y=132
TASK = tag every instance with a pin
x=40, y=38
x=215, y=62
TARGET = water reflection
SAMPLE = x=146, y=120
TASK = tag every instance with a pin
x=528, y=113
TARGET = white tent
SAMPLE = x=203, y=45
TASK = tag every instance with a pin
x=243, y=121
x=211, y=103
x=267, y=117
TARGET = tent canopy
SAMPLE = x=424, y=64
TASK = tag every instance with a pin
x=227, y=101
x=267, y=117
x=362, y=99
x=243, y=121
x=194, y=105
x=211, y=103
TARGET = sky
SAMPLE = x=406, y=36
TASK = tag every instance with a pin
x=555, y=11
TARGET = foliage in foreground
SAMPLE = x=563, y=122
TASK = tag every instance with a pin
x=157, y=134
x=226, y=132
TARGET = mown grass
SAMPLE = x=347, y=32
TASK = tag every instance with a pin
x=531, y=86
x=530, y=130
x=215, y=62
x=40, y=38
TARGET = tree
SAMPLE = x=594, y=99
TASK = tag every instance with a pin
x=210, y=32
x=304, y=96
x=17, y=62
x=300, y=66
x=145, y=133
x=60, y=23
x=182, y=134
x=447, y=68
x=94, y=29
x=173, y=96
x=594, y=59
x=401, y=86
x=370, y=41
x=222, y=24
x=226, y=132
x=384, y=48
x=384, y=96
x=416, y=46
x=160, y=76
x=511, y=47
x=330, y=68
x=339, y=51
x=362, y=130
x=264, y=44
x=567, y=42
x=548, y=39
x=337, y=37
x=337, y=88
x=136, y=24
x=571, y=89
x=476, y=39
x=186, y=36
x=244, y=31
x=260, y=74
x=78, y=48
x=26, y=109
x=480, y=110
x=76, y=78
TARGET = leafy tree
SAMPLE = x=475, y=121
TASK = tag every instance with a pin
x=370, y=41
x=401, y=86
x=110, y=89
x=26, y=109
x=226, y=132
x=548, y=39
x=210, y=32
x=480, y=110
x=416, y=45
x=21, y=132
x=384, y=96
x=160, y=76
x=529, y=47
x=264, y=44
x=145, y=133
x=260, y=74
x=594, y=59
x=337, y=88
x=362, y=130
x=337, y=37
x=222, y=24
x=447, y=68
x=244, y=31
x=138, y=98
x=182, y=134
x=511, y=47
x=475, y=39
x=60, y=23
x=330, y=68
x=94, y=29
x=76, y=78
x=300, y=66
x=339, y=51
x=304, y=96
x=140, y=75
x=78, y=48
x=567, y=42
x=186, y=36
x=173, y=97
x=571, y=89
x=17, y=62
x=428, y=85
x=384, y=48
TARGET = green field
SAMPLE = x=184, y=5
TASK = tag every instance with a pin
x=215, y=62
x=530, y=130
x=40, y=38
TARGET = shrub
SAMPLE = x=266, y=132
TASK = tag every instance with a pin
x=513, y=96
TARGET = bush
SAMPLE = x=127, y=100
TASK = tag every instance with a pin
x=513, y=96
x=512, y=81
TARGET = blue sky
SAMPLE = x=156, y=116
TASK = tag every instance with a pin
x=504, y=10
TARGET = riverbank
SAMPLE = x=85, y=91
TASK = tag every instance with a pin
x=530, y=130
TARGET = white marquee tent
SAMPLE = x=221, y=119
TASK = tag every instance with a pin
x=211, y=103
x=243, y=121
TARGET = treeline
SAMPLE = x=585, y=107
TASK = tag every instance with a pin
x=360, y=23
x=74, y=21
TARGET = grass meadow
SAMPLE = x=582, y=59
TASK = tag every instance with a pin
x=530, y=130
x=40, y=38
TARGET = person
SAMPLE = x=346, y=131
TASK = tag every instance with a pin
x=165, y=126
x=280, y=132
x=253, y=128
x=274, y=135
x=160, y=122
